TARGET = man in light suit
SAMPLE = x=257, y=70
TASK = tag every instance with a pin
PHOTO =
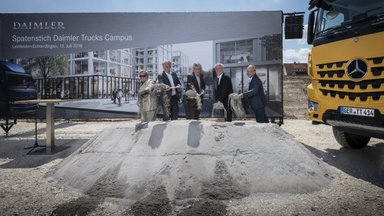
x=147, y=100
x=223, y=87
x=170, y=78
x=255, y=95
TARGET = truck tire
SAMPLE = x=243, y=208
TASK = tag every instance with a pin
x=348, y=140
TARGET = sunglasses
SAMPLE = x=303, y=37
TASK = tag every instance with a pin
x=143, y=76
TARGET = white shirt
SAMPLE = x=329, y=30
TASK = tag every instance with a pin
x=250, y=79
x=219, y=78
x=198, y=81
x=169, y=75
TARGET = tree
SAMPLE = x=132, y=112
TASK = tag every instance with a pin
x=272, y=45
x=46, y=66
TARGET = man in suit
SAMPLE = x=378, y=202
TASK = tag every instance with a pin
x=223, y=87
x=255, y=95
x=195, y=82
x=170, y=78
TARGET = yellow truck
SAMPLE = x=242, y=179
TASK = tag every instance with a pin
x=346, y=67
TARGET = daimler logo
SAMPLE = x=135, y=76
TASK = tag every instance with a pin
x=357, y=69
x=38, y=25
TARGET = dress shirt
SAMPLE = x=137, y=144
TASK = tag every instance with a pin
x=198, y=82
x=219, y=79
x=170, y=78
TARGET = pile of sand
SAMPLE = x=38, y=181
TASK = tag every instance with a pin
x=151, y=165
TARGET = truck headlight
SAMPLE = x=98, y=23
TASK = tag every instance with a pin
x=313, y=106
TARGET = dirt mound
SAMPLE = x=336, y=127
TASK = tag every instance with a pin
x=154, y=165
x=295, y=96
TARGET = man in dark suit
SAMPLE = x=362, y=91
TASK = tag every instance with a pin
x=223, y=87
x=255, y=95
x=170, y=78
x=195, y=82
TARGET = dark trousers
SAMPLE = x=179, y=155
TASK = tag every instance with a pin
x=260, y=115
x=229, y=112
x=174, y=108
x=163, y=107
x=191, y=111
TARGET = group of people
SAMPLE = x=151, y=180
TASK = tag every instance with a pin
x=117, y=94
x=167, y=91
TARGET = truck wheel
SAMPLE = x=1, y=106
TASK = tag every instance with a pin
x=348, y=140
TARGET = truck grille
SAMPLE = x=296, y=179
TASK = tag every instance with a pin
x=332, y=64
x=352, y=96
x=335, y=82
x=376, y=84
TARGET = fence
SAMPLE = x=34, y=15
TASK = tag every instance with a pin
x=85, y=86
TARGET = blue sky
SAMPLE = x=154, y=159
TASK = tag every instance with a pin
x=294, y=50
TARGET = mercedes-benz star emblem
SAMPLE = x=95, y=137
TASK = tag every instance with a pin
x=357, y=69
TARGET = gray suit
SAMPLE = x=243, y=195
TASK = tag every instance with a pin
x=147, y=101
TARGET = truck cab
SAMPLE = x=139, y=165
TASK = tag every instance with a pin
x=346, y=67
x=15, y=84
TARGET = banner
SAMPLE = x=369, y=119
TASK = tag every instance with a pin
x=29, y=35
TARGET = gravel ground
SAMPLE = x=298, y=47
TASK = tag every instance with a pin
x=356, y=187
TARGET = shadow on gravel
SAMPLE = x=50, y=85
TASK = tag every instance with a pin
x=156, y=203
x=14, y=149
x=195, y=130
x=157, y=135
x=75, y=113
x=205, y=207
x=209, y=202
x=107, y=185
x=40, y=130
x=366, y=164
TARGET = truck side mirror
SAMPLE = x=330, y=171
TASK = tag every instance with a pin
x=294, y=27
x=311, y=21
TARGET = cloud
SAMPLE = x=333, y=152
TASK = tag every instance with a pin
x=201, y=52
x=295, y=55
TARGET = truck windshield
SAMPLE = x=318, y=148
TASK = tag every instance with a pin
x=335, y=15
x=19, y=81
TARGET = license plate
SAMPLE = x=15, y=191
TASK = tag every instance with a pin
x=357, y=111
